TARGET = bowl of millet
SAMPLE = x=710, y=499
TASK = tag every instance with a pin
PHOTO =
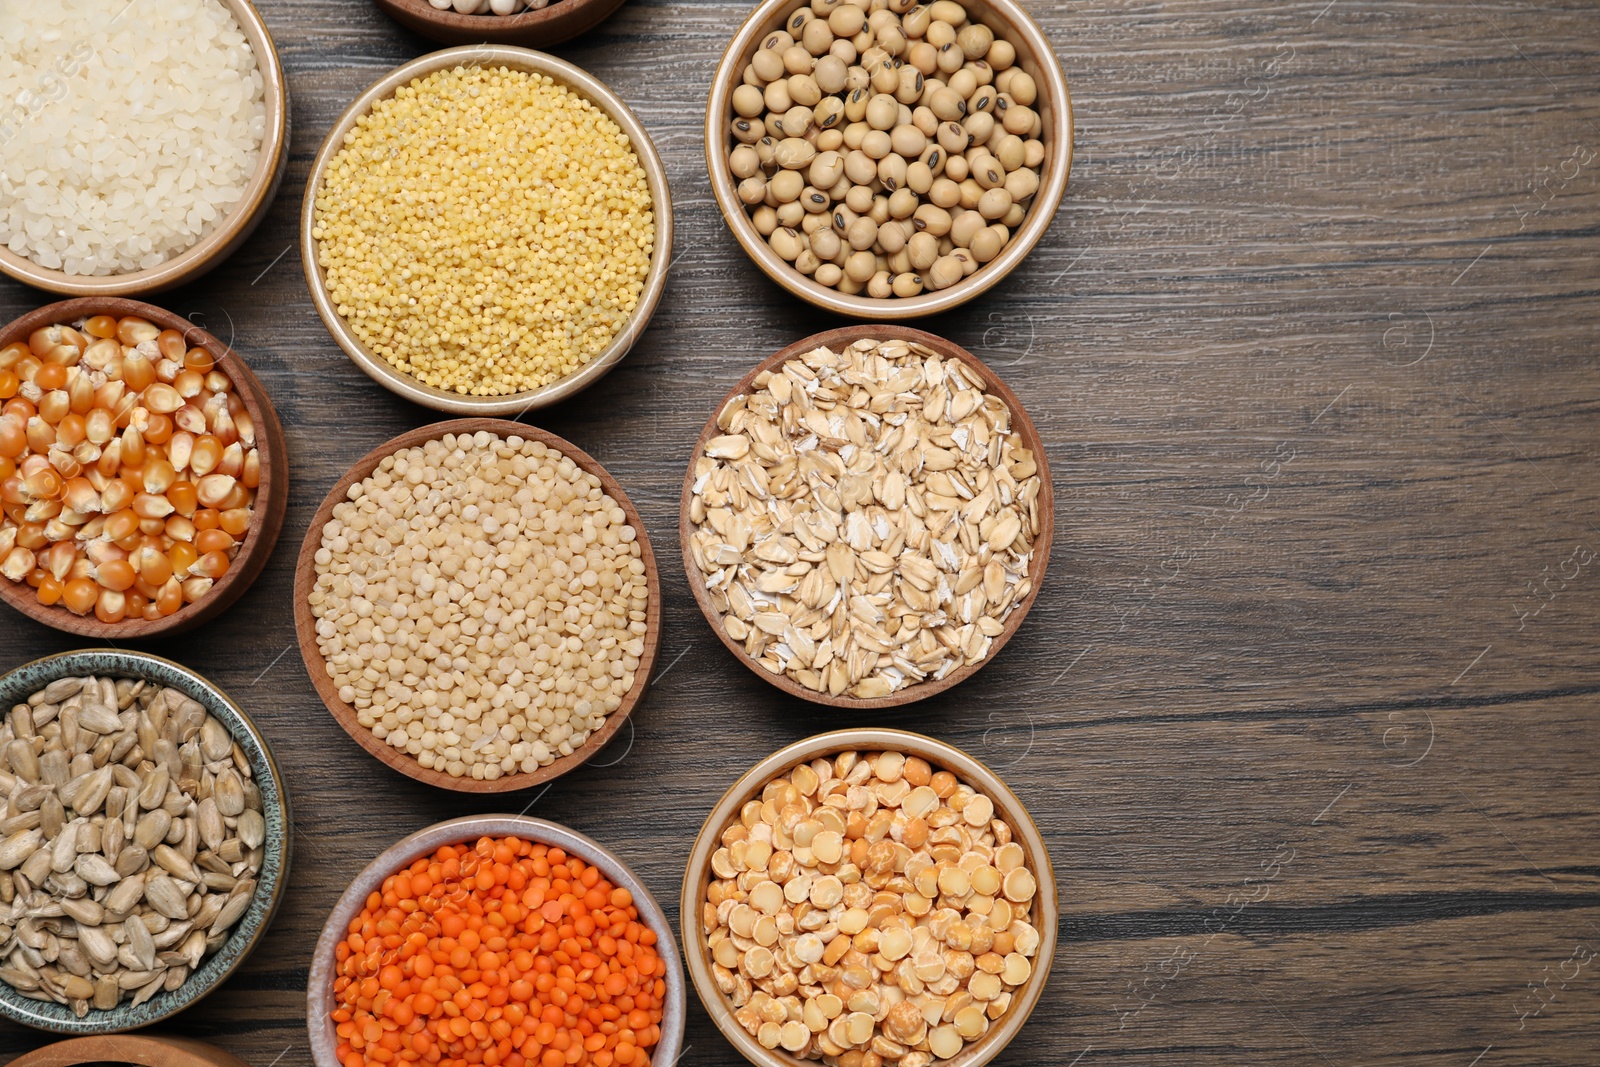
x=115, y=183
x=486, y=230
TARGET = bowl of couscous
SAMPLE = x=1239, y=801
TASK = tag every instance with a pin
x=473, y=255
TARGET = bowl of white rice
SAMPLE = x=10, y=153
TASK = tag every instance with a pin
x=140, y=143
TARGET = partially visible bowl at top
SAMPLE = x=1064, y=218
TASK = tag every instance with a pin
x=557, y=21
x=528, y=231
x=271, y=881
x=1009, y=20
x=229, y=232
x=252, y=548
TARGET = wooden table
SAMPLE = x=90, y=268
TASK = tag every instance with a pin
x=1306, y=708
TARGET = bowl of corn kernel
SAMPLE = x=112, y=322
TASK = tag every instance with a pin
x=143, y=471
x=869, y=896
x=486, y=230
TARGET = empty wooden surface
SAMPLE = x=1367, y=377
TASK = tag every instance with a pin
x=1306, y=709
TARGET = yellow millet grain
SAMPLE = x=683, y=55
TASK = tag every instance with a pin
x=481, y=602
x=485, y=230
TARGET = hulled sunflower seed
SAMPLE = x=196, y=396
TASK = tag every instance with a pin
x=18, y=847
x=100, y=777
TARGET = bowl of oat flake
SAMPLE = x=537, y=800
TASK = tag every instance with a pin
x=867, y=517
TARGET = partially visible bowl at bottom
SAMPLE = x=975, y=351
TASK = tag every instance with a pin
x=142, y=1050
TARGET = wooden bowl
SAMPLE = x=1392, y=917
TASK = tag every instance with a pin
x=272, y=882
x=697, y=875
x=319, y=987
x=305, y=623
x=140, y=1049
x=586, y=85
x=231, y=232
x=1010, y=22
x=1020, y=424
x=560, y=21
x=272, y=495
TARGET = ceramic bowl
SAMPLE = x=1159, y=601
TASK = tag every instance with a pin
x=240, y=222
x=552, y=24
x=1020, y=423
x=574, y=78
x=305, y=580
x=319, y=989
x=1011, y=22
x=272, y=495
x=697, y=875
x=16, y=687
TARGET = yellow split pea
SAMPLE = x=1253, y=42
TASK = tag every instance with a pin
x=485, y=230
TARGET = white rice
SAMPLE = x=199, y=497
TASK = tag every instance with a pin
x=127, y=131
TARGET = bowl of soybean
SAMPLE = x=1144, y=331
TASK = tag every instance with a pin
x=749, y=95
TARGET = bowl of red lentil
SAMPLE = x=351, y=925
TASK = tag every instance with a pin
x=467, y=258
x=515, y=940
x=869, y=893
x=143, y=506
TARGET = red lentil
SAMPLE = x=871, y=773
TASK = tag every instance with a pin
x=505, y=952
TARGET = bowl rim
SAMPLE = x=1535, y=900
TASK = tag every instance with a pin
x=271, y=885
x=305, y=621
x=268, y=509
x=944, y=756
x=572, y=77
x=319, y=982
x=235, y=226
x=1021, y=424
x=1033, y=47
x=522, y=22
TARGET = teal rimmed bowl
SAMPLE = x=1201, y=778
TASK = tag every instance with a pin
x=15, y=688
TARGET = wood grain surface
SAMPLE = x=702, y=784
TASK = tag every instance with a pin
x=1306, y=709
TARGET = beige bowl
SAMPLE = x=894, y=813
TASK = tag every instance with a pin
x=1044, y=916
x=655, y=282
x=239, y=223
x=1011, y=22
x=320, y=999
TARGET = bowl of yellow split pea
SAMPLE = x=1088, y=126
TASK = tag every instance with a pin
x=472, y=255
